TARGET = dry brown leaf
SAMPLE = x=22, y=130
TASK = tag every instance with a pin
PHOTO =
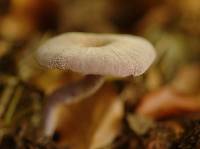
x=166, y=102
x=81, y=125
x=109, y=126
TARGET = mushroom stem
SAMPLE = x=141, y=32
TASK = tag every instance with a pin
x=72, y=93
x=77, y=90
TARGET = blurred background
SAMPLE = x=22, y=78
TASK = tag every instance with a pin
x=159, y=110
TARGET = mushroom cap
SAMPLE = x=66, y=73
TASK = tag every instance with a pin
x=99, y=54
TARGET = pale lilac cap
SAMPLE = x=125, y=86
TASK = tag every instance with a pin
x=99, y=54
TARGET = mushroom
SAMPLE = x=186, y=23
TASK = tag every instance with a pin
x=94, y=55
x=98, y=54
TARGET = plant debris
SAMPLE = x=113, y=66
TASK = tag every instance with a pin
x=158, y=110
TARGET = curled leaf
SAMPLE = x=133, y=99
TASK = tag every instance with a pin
x=167, y=102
